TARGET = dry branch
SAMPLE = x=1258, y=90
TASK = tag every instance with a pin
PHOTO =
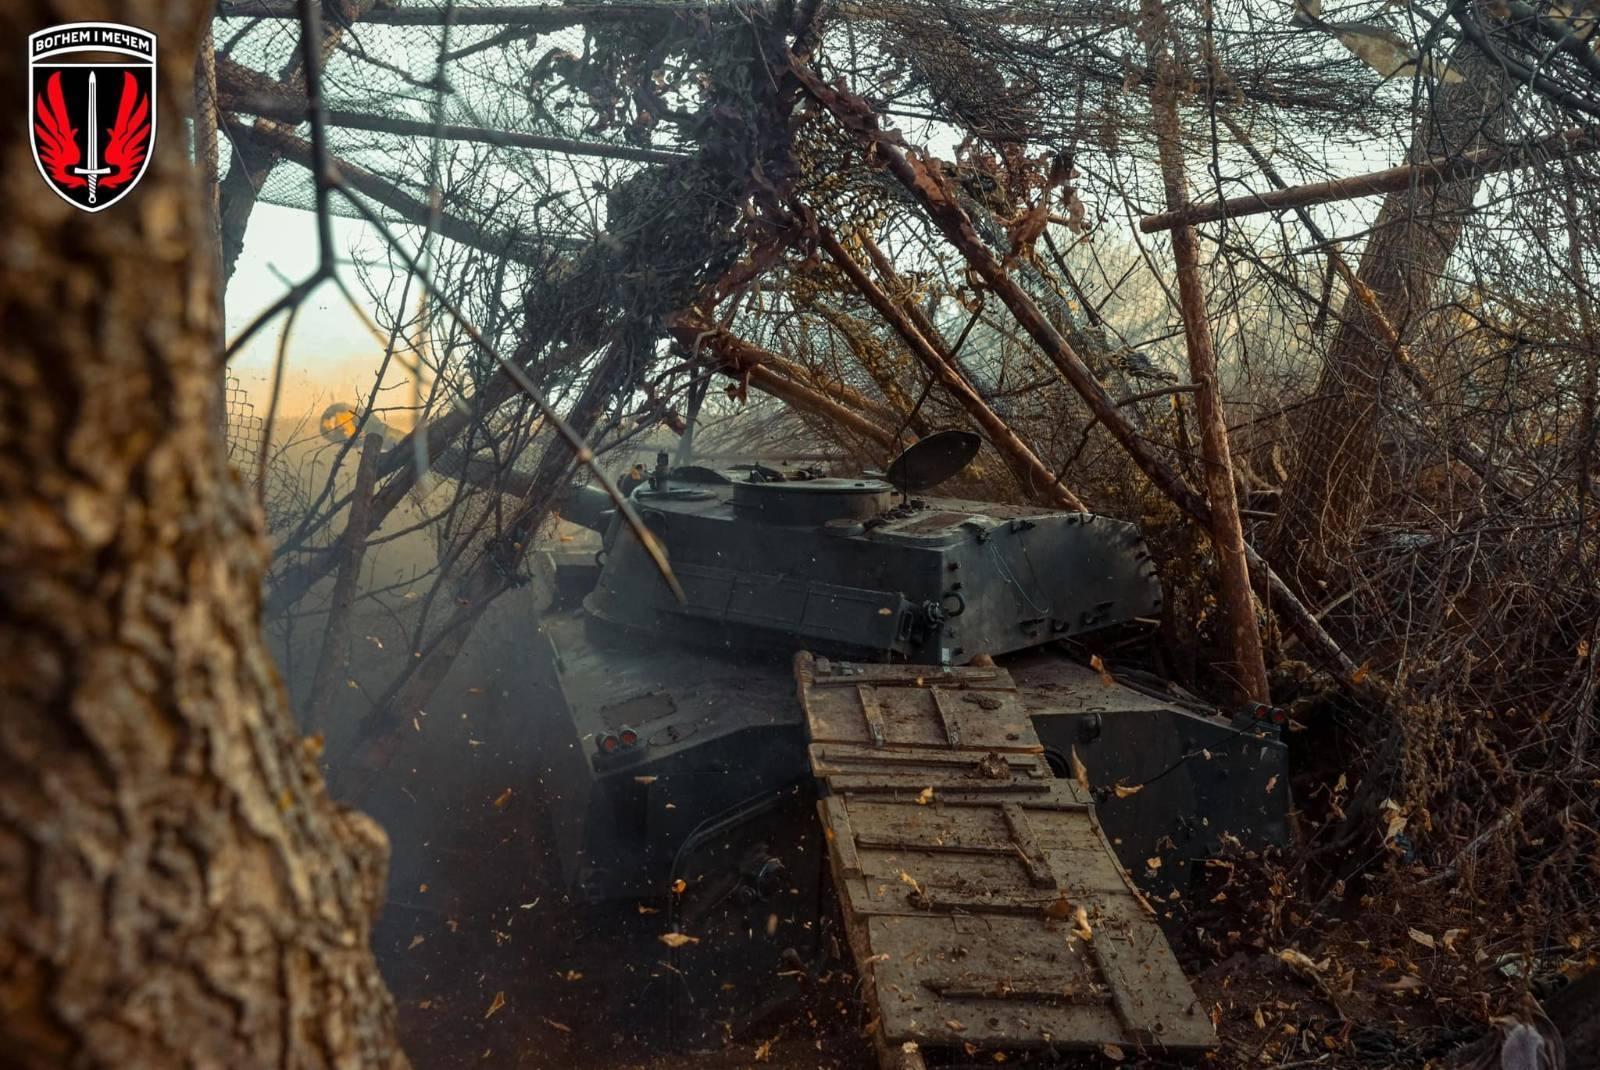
x=333, y=662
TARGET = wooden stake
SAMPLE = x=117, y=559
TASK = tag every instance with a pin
x=1227, y=532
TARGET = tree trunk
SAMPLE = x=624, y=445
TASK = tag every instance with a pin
x=176, y=888
x=1411, y=244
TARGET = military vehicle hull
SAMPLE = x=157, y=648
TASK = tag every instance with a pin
x=675, y=750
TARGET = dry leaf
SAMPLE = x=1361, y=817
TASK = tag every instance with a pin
x=1153, y=863
x=1123, y=791
x=764, y=1050
x=679, y=886
x=1272, y=783
x=1449, y=939
x=907, y=878
x=415, y=940
x=572, y=975
x=648, y=910
x=677, y=940
x=501, y=799
x=556, y=1025
x=499, y=1001
x=1408, y=983
x=1080, y=772
x=1301, y=963
x=1080, y=924
x=924, y=797
x=1422, y=938
x=954, y=1025
x=1100, y=667
x=1112, y=1052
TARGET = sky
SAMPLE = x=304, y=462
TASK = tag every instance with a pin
x=331, y=354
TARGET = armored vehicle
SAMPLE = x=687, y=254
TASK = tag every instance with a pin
x=676, y=749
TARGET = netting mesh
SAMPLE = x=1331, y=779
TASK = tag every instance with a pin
x=395, y=71
x=242, y=429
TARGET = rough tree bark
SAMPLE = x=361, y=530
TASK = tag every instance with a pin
x=1248, y=669
x=176, y=888
x=1412, y=241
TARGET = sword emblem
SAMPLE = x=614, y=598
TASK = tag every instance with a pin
x=93, y=171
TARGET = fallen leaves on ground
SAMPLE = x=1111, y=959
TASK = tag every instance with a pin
x=677, y=940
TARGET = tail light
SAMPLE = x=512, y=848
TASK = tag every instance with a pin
x=628, y=737
x=609, y=743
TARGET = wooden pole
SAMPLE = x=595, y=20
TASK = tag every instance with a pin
x=1030, y=471
x=1467, y=165
x=1249, y=671
x=931, y=189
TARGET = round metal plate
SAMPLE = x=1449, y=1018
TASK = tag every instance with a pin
x=932, y=460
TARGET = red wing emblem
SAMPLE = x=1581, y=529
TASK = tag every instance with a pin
x=94, y=120
x=130, y=135
x=58, y=138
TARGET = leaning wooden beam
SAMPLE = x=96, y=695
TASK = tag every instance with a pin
x=1031, y=472
x=287, y=111
x=290, y=147
x=765, y=371
x=1468, y=165
x=932, y=190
